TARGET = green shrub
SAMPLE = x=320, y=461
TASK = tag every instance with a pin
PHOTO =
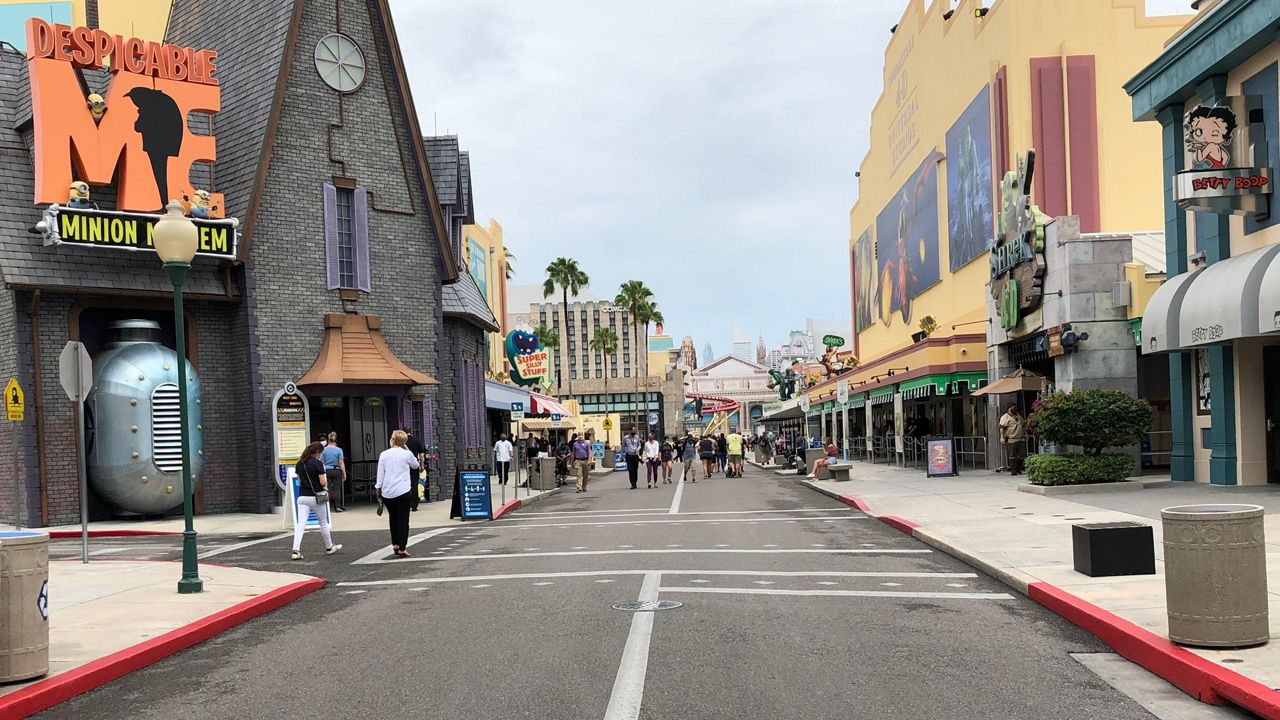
x=1091, y=419
x=1077, y=469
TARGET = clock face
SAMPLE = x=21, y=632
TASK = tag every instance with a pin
x=340, y=62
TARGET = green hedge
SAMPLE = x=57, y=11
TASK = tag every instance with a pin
x=1077, y=469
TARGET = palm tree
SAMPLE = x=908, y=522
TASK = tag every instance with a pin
x=605, y=341
x=566, y=274
x=637, y=299
x=507, y=257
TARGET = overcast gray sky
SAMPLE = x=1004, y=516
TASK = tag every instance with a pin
x=706, y=148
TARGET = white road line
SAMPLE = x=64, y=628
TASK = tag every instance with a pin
x=377, y=555
x=675, y=501
x=581, y=513
x=239, y=546
x=843, y=593
x=108, y=551
x=699, y=573
x=523, y=517
x=522, y=526
x=628, y=686
x=571, y=553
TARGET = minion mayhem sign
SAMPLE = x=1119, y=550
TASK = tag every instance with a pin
x=136, y=136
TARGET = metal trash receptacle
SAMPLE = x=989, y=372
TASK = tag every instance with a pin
x=1215, y=575
x=543, y=474
x=24, y=605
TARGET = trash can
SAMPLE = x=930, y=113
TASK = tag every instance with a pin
x=543, y=473
x=1215, y=575
x=24, y=605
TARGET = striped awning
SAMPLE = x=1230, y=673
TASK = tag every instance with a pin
x=941, y=384
x=858, y=401
x=881, y=397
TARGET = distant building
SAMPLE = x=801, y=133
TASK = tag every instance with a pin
x=760, y=351
x=484, y=256
x=708, y=355
x=688, y=355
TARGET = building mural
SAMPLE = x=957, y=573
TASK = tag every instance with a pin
x=864, y=279
x=907, y=243
x=969, y=187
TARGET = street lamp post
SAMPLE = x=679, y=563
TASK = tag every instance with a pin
x=175, y=238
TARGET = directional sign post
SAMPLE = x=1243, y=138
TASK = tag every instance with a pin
x=75, y=372
x=517, y=411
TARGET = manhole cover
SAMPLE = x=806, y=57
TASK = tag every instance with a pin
x=647, y=606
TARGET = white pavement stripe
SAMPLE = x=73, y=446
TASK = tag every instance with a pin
x=589, y=512
x=628, y=686
x=522, y=526
x=377, y=555
x=607, y=573
x=525, y=517
x=241, y=546
x=844, y=593
x=744, y=551
x=675, y=501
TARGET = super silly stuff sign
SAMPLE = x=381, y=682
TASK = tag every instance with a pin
x=135, y=134
x=530, y=361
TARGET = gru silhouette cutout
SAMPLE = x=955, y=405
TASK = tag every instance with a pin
x=160, y=123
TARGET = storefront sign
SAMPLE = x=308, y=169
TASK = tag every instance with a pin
x=1017, y=260
x=942, y=458
x=129, y=231
x=833, y=341
x=473, y=486
x=137, y=134
x=530, y=361
x=1223, y=145
x=842, y=392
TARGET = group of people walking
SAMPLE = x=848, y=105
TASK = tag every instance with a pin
x=718, y=453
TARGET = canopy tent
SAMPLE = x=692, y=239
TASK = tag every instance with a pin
x=1019, y=380
x=543, y=405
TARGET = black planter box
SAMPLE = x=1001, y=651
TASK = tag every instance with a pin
x=1113, y=548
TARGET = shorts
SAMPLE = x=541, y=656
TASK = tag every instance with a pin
x=735, y=458
x=707, y=456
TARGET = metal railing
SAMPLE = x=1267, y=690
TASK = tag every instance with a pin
x=1150, y=444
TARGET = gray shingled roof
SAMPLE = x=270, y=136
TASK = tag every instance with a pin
x=464, y=186
x=462, y=299
x=442, y=156
x=24, y=260
x=250, y=38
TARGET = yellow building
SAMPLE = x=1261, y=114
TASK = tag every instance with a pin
x=145, y=19
x=485, y=256
x=966, y=92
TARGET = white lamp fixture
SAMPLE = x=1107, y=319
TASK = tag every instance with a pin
x=175, y=236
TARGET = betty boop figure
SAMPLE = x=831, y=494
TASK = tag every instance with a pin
x=1208, y=133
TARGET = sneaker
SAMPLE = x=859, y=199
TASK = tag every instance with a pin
x=811, y=475
x=295, y=555
x=332, y=550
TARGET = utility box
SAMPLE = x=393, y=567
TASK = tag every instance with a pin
x=24, y=605
x=1109, y=549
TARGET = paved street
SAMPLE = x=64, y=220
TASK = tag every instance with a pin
x=794, y=606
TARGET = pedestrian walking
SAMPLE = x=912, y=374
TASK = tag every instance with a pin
x=564, y=456
x=722, y=451
x=733, y=444
x=312, y=496
x=688, y=453
x=335, y=472
x=1013, y=437
x=668, y=454
x=652, y=461
x=582, y=461
x=418, y=485
x=502, y=456
x=707, y=452
x=394, y=478
x=631, y=451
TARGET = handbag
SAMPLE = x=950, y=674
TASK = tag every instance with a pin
x=322, y=496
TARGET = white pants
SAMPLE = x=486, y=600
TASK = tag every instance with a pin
x=307, y=503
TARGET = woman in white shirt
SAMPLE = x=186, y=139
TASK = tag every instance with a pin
x=502, y=456
x=652, y=461
x=394, y=484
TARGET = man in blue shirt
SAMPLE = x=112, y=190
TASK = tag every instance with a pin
x=335, y=471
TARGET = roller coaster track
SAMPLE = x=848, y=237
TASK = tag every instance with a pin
x=720, y=409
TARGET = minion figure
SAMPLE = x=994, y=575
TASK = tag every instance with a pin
x=78, y=196
x=199, y=204
x=97, y=106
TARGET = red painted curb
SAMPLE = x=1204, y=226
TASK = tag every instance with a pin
x=1200, y=678
x=509, y=507
x=60, y=688
x=71, y=534
x=899, y=524
x=853, y=502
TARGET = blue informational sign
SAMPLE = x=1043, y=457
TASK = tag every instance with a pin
x=597, y=450
x=555, y=417
x=312, y=521
x=477, y=503
x=517, y=407
x=619, y=462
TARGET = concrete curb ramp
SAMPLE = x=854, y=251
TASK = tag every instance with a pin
x=514, y=505
x=43, y=695
x=1190, y=673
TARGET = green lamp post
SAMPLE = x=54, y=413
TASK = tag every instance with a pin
x=175, y=238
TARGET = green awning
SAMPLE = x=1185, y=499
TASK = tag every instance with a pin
x=941, y=384
x=880, y=397
x=857, y=401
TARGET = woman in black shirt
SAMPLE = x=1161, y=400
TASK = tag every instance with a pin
x=311, y=480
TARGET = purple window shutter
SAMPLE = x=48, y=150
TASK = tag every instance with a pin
x=360, y=237
x=466, y=406
x=331, y=236
x=477, y=401
x=406, y=414
x=428, y=423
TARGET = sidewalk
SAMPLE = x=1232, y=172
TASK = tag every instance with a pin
x=1025, y=539
x=107, y=619
x=359, y=516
